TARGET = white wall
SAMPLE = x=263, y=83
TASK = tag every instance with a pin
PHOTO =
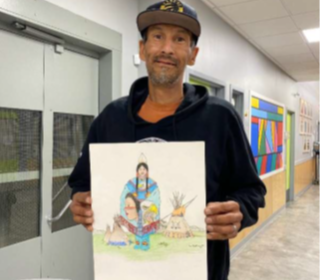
x=227, y=56
x=224, y=55
x=118, y=15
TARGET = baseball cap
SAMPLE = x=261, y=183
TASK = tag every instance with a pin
x=170, y=12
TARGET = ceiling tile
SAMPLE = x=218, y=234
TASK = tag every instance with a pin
x=306, y=77
x=302, y=72
x=293, y=59
x=288, y=50
x=255, y=11
x=315, y=48
x=283, y=40
x=220, y=3
x=301, y=6
x=269, y=27
x=307, y=21
x=301, y=65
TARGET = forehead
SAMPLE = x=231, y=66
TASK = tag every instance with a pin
x=168, y=28
x=129, y=199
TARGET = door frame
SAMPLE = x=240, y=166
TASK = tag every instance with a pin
x=218, y=85
x=290, y=193
x=70, y=31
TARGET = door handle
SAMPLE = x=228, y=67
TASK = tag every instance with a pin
x=51, y=219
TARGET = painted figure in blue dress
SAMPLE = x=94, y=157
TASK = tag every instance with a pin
x=140, y=206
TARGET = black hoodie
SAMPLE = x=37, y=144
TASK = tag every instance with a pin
x=230, y=167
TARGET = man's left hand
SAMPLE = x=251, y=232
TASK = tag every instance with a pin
x=223, y=220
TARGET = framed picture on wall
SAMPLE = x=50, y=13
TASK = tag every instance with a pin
x=301, y=125
x=306, y=144
x=267, y=124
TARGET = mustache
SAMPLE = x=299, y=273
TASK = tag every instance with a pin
x=167, y=58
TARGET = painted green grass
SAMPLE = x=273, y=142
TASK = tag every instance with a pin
x=161, y=247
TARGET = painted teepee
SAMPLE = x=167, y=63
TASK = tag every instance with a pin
x=107, y=235
x=177, y=226
x=118, y=237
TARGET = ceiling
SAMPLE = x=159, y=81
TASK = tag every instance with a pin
x=275, y=28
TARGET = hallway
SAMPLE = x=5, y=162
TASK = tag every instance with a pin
x=288, y=249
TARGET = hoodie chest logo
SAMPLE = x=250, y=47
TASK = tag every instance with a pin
x=151, y=140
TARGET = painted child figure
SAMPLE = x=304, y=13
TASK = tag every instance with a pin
x=140, y=206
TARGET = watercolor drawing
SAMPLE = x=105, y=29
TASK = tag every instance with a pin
x=148, y=209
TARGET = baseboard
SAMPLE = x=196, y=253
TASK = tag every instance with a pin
x=301, y=193
x=242, y=244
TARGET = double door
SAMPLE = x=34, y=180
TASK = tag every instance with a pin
x=47, y=103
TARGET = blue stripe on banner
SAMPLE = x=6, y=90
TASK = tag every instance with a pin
x=280, y=149
x=268, y=107
x=259, y=114
x=254, y=138
x=269, y=163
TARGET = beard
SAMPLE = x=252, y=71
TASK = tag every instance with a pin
x=163, y=76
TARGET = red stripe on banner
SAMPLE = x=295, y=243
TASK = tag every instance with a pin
x=264, y=165
x=280, y=133
x=279, y=161
x=255, y=120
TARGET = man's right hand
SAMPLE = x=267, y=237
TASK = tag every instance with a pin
x=81, y=209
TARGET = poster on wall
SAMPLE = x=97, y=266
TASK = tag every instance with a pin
x=306, y=144
x=306, y=118
x=148, y=203
x=306, y=125
x=267, y=134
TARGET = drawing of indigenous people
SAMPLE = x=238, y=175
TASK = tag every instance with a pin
x=140, y=206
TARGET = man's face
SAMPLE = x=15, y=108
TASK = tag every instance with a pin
x=167, y=52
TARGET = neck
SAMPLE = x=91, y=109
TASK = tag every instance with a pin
x=166, y=94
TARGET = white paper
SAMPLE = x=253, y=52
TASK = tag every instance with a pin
x=177, y=248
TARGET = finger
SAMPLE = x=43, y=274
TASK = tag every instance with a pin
x=83, y=197
x=214, y=208
x=223, y=230
x=218, y=236
x=89, y=228
x=226, y=219
x=81, y=211
x=83, y=220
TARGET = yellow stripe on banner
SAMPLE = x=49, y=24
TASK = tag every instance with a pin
x=255, y=102
x=280, y=110
x=260, y=134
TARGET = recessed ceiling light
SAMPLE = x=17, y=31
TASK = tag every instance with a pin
x=312, y=35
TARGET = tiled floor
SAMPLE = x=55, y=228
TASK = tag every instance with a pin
x=288, y=249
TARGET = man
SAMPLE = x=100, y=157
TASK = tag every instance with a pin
x=162, y=108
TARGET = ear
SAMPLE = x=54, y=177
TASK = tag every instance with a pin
x=193, y=56
x=141, y=50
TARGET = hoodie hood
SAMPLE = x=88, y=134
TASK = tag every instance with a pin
x=194, y=97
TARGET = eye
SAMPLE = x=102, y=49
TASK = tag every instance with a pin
x=180, y=39
x=157, y=36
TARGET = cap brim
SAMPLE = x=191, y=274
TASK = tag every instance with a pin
x=149, y=18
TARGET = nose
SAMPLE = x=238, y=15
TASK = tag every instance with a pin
x=167, y=47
